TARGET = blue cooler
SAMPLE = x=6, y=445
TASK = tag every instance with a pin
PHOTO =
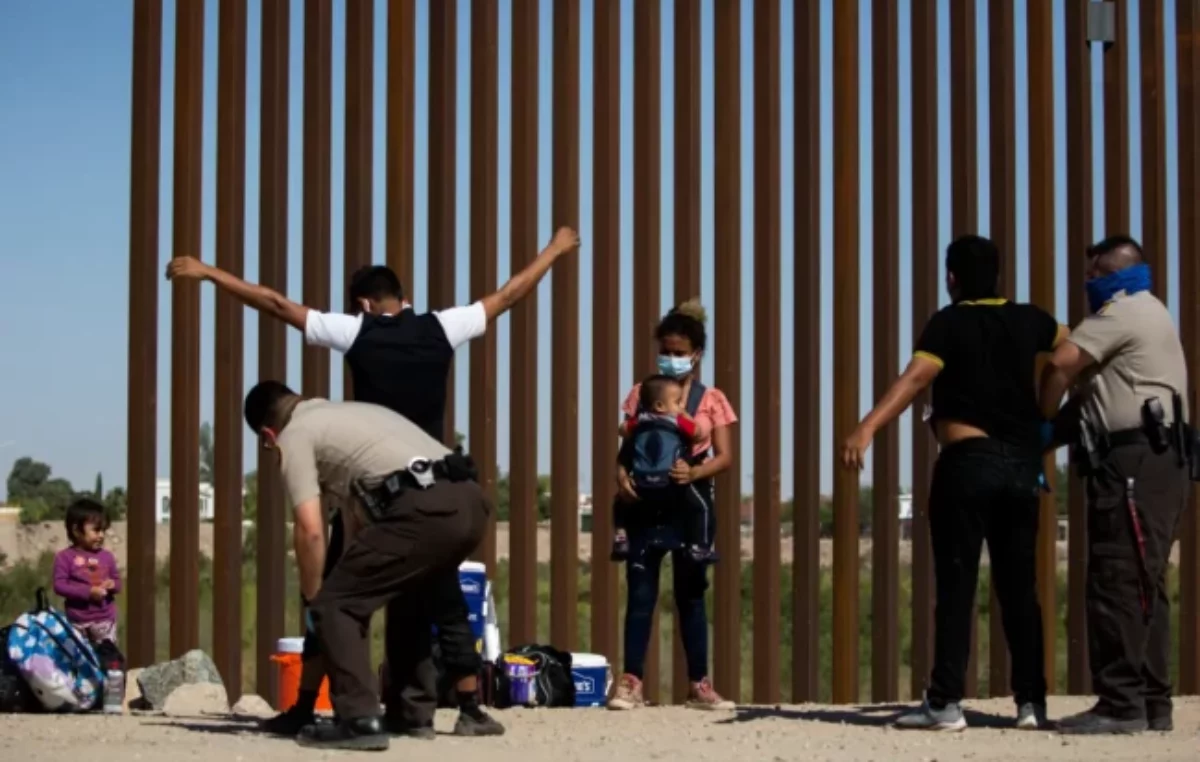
x=472, y=577
x=592, y=678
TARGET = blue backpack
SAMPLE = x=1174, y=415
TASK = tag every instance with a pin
x=657, y=444
x=56, y=662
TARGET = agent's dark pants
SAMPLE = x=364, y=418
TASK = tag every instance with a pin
x=985, y=490
x=406, y=559
x=643, y=569
x=1130, y=654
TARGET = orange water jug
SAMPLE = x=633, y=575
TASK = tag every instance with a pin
x=287, y=657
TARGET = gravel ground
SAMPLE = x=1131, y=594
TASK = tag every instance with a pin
x=773, y=734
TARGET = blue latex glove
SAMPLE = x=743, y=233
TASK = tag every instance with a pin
x=308, y=622
x=1047, y=434
x=1042, y=483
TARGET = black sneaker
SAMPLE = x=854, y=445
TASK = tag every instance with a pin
x=288, y=723
x=398, y=727
x=1090, y=723
x=1160, y=724
x=477, y=722
x=362, y=734
x=620, y=549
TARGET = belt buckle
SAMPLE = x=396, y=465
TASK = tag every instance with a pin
x=421, y=471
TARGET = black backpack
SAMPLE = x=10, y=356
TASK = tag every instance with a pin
x=553, y=683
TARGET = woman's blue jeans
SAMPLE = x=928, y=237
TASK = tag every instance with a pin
x=690, y=582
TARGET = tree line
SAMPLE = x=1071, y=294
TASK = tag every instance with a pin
x=44, y=497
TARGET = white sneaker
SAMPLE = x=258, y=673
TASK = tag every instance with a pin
x=948, y=719
x=1031, y=716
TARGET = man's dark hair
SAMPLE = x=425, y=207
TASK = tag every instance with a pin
x=1115, y=242
x=653, y=388
x=374, y=282
x=83, y=511
x=262, y=403
x=975, y=264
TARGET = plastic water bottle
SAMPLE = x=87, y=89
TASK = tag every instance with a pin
x=114, y=689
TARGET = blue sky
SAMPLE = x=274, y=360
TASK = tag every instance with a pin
x=64, y=210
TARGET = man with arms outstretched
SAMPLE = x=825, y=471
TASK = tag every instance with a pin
x=398, y=359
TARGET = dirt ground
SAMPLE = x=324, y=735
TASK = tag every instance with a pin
x=28, y=542
x=788, y=733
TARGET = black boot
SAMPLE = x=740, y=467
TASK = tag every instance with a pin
x=292, y=721
x=361, y=734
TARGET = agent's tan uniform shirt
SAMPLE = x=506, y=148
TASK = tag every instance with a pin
x=1138, y=355
x=326, y=446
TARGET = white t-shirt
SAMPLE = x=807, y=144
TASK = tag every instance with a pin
x=337, y=331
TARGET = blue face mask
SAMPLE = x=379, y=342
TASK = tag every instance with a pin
x=1131, y=280
x=675, y=367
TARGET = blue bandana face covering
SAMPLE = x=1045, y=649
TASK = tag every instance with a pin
x=1131, y=280
x=675, y=367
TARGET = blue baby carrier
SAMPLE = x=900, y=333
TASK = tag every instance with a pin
x=657, y=443
x=55, y=661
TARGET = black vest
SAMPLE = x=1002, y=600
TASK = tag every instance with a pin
x=402, y=362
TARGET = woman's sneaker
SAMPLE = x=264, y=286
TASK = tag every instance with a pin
x=702, y=696
x=948, y=718
x=628, y=694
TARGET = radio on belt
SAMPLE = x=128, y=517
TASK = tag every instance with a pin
x=421, y=471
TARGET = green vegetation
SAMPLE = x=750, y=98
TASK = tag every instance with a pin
x=19, y=583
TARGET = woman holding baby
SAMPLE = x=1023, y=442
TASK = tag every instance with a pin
x=651, y=528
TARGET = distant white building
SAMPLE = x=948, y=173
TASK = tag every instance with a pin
x=162, y=501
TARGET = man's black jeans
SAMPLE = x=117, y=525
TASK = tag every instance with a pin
x=985, y=490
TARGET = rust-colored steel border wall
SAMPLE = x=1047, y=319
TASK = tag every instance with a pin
x=1079, y=235
x=1003, y=229
x=726, y=354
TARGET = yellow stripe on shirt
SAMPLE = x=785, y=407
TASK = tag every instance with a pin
x=931, y=358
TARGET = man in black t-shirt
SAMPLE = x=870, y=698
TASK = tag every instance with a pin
x=979, y=354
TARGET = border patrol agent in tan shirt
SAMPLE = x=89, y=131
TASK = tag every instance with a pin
x=415, y=512
x=398, y=359
x=1131, y=376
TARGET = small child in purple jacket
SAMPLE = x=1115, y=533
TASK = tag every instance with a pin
x=86, y=574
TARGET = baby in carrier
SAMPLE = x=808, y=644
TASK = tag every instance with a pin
x=661, y=434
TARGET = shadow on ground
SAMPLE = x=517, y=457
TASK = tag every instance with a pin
x=226, y=727
x=873, y=716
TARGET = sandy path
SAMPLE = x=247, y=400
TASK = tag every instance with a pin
x=587, y=734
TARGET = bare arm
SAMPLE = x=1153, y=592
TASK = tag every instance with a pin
x=519, y=285
x=1067, y=363
x=919, y=374
x=258, y=297
x=722, y=455
x=309, y=538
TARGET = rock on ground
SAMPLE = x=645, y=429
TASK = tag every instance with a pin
x=197, y=700
x=251, y=705
x=160, y=681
